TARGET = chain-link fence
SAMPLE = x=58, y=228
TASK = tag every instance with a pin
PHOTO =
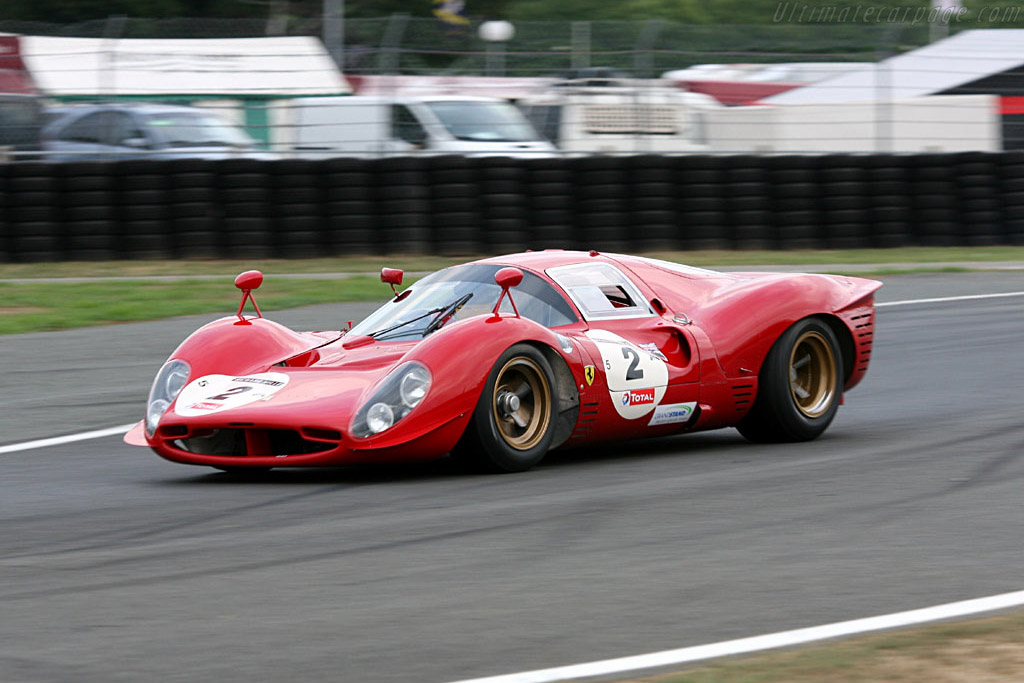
x=642, y=113
x=416, y=45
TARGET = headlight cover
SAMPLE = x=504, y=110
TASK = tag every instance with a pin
x=169, y=382
x=394, y=398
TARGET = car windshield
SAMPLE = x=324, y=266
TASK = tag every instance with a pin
x=411, y=317
x=195, y=129
x=484, y=121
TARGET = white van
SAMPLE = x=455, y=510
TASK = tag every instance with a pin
x=364, y=126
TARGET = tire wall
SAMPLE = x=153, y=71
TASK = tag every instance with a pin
x=240, y=208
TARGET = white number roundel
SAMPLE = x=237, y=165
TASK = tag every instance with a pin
x=214, y=393
x=636, y=378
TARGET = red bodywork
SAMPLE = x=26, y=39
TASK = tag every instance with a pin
x=711, y=332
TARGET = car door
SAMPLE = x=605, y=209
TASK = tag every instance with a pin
x=81, y=138
x=124, y=137
x=646, y=369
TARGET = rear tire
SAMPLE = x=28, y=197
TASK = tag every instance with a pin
x=800, y=385
x=513, y=423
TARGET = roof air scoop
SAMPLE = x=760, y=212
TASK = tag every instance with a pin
x=248, y=281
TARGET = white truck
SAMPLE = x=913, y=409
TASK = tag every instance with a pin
x=620, y=116
x=372, y=126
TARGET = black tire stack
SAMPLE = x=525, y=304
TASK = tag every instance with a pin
x=702, y=221
x=32, y=216
x=454, y=206
x=843, y=191
x=194, y=208
x=89, y=217
x=888, y=203
x=503, y=204
x=1011, y=193
x=243, y=186
x=6, y=253
x=350, y=222
x=652, y=195
x=602, y=203
x=793, y=187
x=977, y=180
x=404, y=204
x=748, y=203
x=549, y=196
x=296, y=207
x=142, y=204
x=934, y=192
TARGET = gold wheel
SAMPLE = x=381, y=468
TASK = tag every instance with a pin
x=521, y=403
x=813, y=380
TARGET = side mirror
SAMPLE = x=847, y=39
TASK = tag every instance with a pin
x=248, y=281
x=393, y=277
x=506, y=278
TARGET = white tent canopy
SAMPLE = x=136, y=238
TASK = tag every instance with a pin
x=968, y=56
x=237, y=67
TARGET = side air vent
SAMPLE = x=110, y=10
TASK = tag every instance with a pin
x=743, y=396
x=588, y=415
x=864, y=337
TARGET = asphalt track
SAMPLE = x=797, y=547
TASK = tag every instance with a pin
x=118, y=566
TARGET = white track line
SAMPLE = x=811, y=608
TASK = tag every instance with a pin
x=70, y=438
x=757, y=643
x=948, y=298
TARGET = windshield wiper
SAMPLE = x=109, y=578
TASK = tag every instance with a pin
x=442, y=312
x=447, y=312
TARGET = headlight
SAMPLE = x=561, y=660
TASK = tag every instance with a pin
x=414, y=385
x=169, y=382
x=394, y=398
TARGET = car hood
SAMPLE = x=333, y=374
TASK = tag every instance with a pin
x=327, y=392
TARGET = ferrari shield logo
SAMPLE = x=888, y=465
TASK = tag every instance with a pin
x=588, y=374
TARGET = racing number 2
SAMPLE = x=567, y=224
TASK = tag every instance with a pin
x=229, y=393
x=632, y=372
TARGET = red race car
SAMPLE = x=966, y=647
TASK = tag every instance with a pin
x=500, y=360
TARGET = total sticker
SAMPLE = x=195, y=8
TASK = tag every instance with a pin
x=638, y=398
x=672, y=412
x=214, y=393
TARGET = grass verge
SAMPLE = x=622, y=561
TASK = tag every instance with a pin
x=38, y=307
x=987, y=650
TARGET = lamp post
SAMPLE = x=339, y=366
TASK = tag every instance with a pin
x=496, y=34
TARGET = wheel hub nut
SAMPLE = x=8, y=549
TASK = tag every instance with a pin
x=508, y=403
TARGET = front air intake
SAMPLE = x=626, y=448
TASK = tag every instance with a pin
x=255, y=442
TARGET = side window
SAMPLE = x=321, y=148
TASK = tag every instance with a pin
x=547, y=119
x=405, y=126
x=89, y=129
x=601, y=291
x=124, y=128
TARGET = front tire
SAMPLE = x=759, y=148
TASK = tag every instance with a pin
x=800, y=385
x=513, y=423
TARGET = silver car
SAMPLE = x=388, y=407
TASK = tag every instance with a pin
x=142, y=130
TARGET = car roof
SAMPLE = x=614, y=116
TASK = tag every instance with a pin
x=142, y=107
x=57, y=117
